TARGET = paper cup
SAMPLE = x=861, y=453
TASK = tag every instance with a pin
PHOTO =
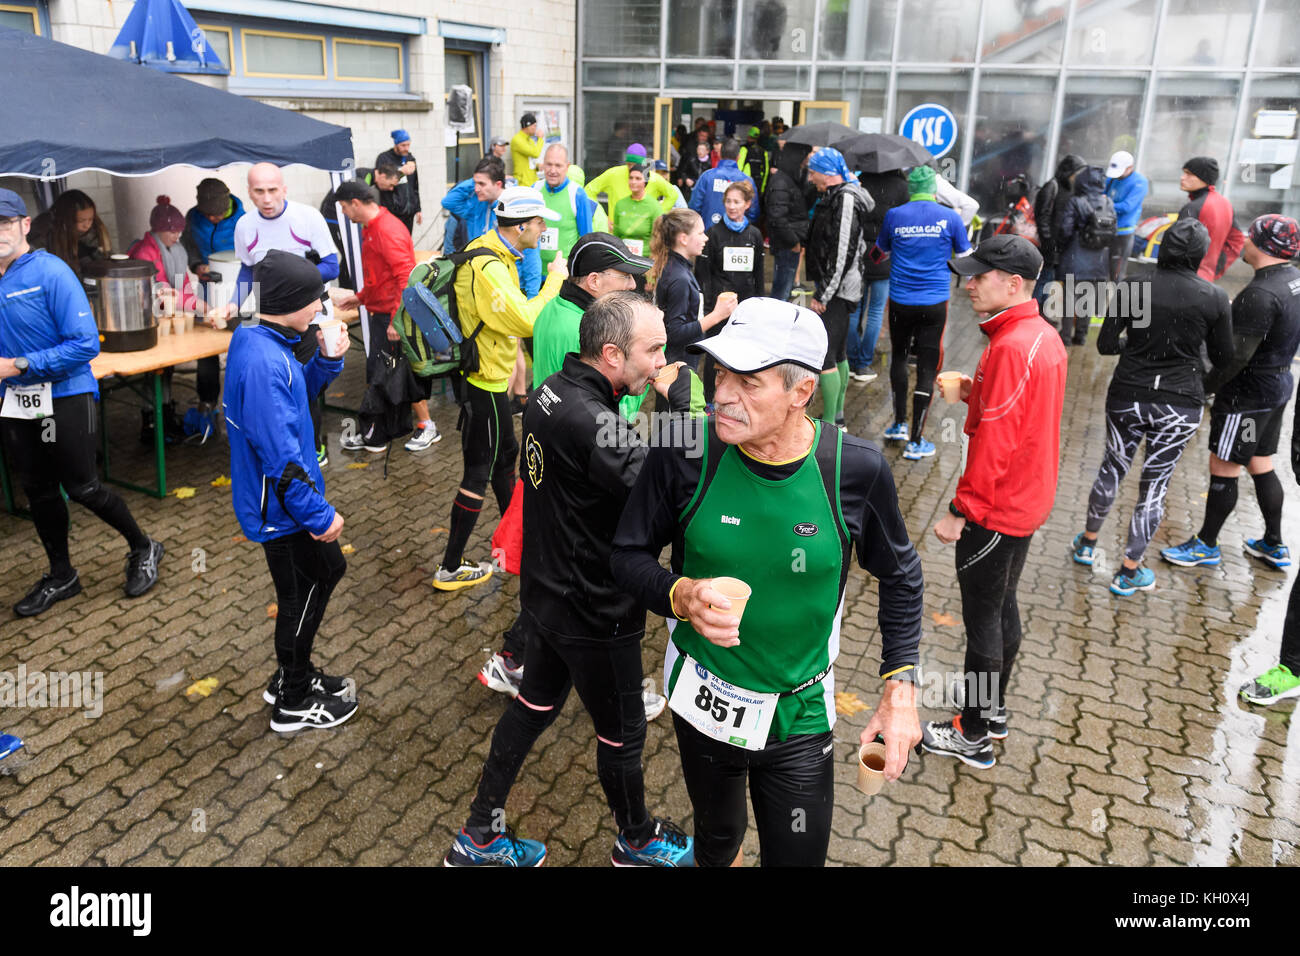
x=164, y=327
x=736, y=591
x=871, y=768
x=332, y=331
x=950, y=385
x=180, y=324
x=668, y=374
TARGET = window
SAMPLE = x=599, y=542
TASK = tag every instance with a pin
x=367, y=61
x=221, y=39
x=1277, y=41
x=1013, y=36
x=1013, y=116
x=944, y=31
x=950, y=89
x=1206, y=33
x=1194, y=116
x=20, y=18
x=702, y=28
x=777, y=30
x=864, y=89
x=611, y=121
x=858, y=29
x=1101, y=116
x=283, y=55
x=1105, y=35
x=620, y=28
x=1263, y=180
x=464, y=68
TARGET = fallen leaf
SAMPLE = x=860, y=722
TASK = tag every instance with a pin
x=438, y=531
x=183, y=492
x=943, y=619
x=202, y=688
x=847, y=703
x=348, y=549
x=238, y=537
x=337, y=394
x=358, y=465
x=272, y=610
x=221, y=481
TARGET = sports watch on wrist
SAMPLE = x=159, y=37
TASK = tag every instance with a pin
x=21, y=363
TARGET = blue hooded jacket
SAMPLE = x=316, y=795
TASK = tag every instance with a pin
x=478, y=217
x=276, y=484
x=1127, y=195
x=46, y=318
x=208, y=237
x=707, y=193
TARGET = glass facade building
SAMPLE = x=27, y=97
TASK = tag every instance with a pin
x=1026, y=81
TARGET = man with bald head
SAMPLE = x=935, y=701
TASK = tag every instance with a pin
x=276, y=222
x=579, y=213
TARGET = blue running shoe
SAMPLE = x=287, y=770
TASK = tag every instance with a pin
x=670, y=846
x=896, y=432
x=1191, y=553
x=1142, y=579
x=505, y=849
x=916, y=450
x=1276, y=555
x=1082, y=550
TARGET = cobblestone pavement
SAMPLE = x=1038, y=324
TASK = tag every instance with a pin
x=1126, y=744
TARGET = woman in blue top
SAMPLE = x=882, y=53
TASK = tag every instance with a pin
x=47, y=339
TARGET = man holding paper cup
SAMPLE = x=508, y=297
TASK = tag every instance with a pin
x=1006, y=490
x=777, y=502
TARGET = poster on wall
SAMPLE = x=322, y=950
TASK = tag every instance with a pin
x=554, y=118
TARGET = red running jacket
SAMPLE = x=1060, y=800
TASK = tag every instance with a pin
x=387, y=258
x=1226, y=240
x=1014, y=424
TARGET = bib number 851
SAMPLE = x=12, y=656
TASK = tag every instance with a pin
x=717, y=707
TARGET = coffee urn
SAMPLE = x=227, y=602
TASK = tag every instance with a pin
x=121, y=293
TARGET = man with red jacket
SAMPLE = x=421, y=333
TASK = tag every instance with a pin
x=387, y=258
x=1200, y=173
x=1006, y=491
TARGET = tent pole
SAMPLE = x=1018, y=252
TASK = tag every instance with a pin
x=351, y=235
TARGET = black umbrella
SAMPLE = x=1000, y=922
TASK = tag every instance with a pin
x=881, y=152
x=818, y=134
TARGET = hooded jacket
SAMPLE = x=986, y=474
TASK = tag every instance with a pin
x=888, y=190
x=1049, y=206
x=46, y=318
x=276, y=483
x=837, y=245
x=1156, y=325
x=202, y=236
x=706, y=197
x=787, y=213
x=1226, y=240
x=1089, y=195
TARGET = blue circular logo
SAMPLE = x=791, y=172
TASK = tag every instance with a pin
x=931, y=125
x=700, y=671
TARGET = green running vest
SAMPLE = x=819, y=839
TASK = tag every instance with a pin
x=788, y=541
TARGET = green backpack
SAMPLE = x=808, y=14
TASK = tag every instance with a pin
x=428, y=324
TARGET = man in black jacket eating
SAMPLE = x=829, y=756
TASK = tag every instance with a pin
x=581, y=460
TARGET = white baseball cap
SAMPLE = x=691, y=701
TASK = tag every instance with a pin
x=1118, y=163
x=765, y=332
x=522, y=202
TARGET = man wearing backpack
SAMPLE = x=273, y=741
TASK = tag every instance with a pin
x=492, y=312
x=1087, y=230
x=1049, y=205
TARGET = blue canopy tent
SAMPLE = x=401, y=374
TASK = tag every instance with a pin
x=161, y=34
x=81, y=111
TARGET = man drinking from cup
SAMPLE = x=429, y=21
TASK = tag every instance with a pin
x=777, y=501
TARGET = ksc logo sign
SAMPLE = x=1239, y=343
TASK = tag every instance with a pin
x=931, y=125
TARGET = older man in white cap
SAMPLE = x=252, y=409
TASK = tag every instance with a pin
x=779, y=501
x=1127, y=188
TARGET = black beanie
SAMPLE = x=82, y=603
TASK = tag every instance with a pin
x=286, y=283
x=1204, y=168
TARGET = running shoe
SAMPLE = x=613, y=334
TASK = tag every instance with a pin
x=670, y=846
x=947, y=739
x=46, y=592
x=317, y=680
x=916, y=450
x=315, y=711
x=896, y=432
x=1082, y=550
x=357, y=443
x=1271, y=686
x=1192, y=552
x=997, y=725
x=423, y=438
x=496, y=676
x=505, y=849
x=142, y=568
x=1126, y=584
x=1275, y=554
x=465, y=576
x=863, y=374
x=322, y=456
x=654, y=703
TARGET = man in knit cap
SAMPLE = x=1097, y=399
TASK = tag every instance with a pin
x=1200, y=173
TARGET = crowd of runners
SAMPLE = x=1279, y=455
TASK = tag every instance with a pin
x=574, y=299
